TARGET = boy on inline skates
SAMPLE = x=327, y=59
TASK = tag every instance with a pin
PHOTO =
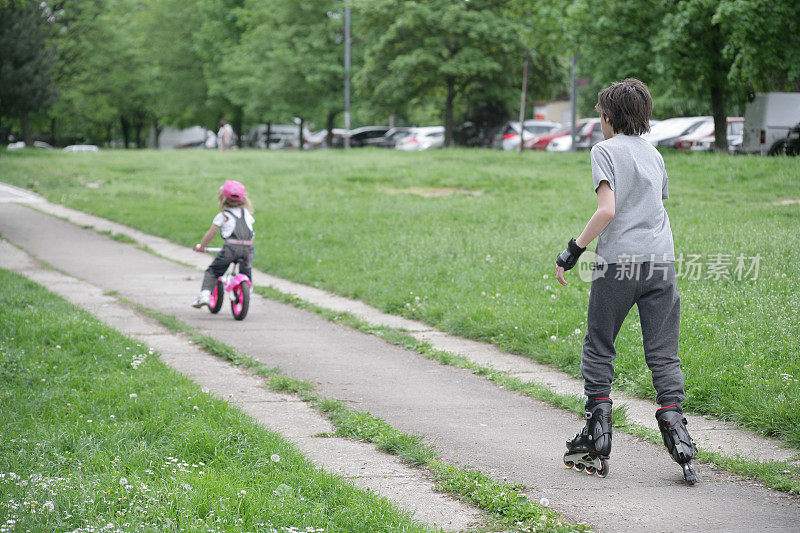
x=634, y=265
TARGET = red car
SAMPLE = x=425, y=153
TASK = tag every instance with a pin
x=540, y=142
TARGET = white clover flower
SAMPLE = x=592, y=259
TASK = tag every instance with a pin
x=544, y=502
x=577, y=331
x=553, y=338
x=275, y=458
x=133, y=395
x=242, y=493
x=552, y=296
x=123, y=481
x=195, y=408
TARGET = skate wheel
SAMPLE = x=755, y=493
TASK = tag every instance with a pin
x=580, y=467
x=689, y=474
x=590, y=470
x=567, y=463
x=603, y=470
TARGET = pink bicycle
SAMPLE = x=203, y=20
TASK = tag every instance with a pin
x=235, y=283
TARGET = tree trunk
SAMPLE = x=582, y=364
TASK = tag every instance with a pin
x=720, y=116
x=269, y=133
x=300, y=134
x=238, y=120
x=448, y=113
x=27, y=134
x=125, y=125
x=329, y=125
x=52, y=131
x=137, y=134
x=157, y=127
x=523, y=100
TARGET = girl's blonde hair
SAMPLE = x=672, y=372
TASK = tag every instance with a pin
x=226, y=203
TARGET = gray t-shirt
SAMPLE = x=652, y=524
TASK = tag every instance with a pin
x=640, y=229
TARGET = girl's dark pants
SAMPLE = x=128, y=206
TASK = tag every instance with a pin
x=652, y=287
x=229, y=253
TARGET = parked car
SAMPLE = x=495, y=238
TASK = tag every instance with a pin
x=368, y=135
x=703, y=137
x=392, y=137
x=193, y=137
x=792, y=146
x=540, y=142
x=19, y=145
x=669, y=131
x=280, y=136
x=767, y=121
x=589, y=134
x=81, y=148
x=422, y=139
x=508, y=136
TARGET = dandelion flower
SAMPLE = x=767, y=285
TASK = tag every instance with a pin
x=49, y=506
x=577, y=331
x=553, y=337
x=123, y=481
x=275, y=458
x=242, y=493
x=544, y=502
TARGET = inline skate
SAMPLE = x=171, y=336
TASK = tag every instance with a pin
x=679, y=443
x=589, y=449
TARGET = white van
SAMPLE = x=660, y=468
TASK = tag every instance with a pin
x=767, y=120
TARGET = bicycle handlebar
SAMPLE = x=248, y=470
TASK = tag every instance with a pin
x=212, y=250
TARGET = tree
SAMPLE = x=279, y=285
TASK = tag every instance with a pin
x=290, y=60
x=691, y=46
x=417, y=50
x=26, y=63
x=216, y=38
x=763, y=43
x=174, y=67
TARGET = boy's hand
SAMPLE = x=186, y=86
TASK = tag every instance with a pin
x=567, y=259
x=560, y=276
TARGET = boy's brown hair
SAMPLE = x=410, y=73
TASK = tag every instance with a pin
x=627, y=105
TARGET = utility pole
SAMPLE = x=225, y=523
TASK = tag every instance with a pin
x=347, y=73
x=523, y=100
x=573, y=99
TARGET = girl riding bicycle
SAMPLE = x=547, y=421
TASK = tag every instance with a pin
x=235, y=224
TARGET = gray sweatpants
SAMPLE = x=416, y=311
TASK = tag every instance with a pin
x=652, y=287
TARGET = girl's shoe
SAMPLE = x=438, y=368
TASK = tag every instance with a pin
x=202, y=300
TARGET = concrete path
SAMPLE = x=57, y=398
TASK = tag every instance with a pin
x=363, y=464
x=470, y=421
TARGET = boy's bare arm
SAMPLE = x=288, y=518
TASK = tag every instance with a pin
x=605, y=212
x=602, y=216
x=207, y=237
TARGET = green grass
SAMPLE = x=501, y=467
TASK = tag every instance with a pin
x=97, y=431
x=481, y=266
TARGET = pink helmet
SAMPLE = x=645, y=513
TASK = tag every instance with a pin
x=233, y=190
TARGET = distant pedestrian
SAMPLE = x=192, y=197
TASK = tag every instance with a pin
x=635, y=266
x=235, y=224
x=226, y=138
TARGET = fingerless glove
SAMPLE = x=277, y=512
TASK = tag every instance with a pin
x=569, y=257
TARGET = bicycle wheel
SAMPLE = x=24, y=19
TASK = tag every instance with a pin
x=215, y=302
x=240, y=301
